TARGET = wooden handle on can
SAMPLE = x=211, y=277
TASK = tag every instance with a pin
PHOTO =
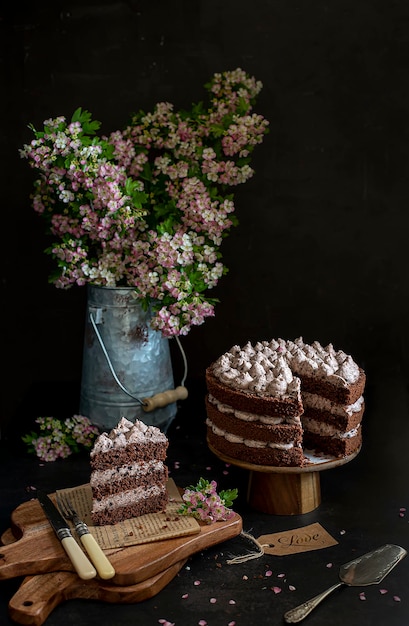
x=164, y=398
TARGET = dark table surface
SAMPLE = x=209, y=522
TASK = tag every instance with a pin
x=365, y=504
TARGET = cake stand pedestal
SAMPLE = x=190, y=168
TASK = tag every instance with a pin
x=285, y=490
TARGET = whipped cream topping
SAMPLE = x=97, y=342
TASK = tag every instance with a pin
x=271, y=367
x=260, y=369
x=318, y=361
x=124, y=433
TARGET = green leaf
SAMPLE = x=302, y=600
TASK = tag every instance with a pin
x=76, y=117
x=228, y=496
x=89, y=126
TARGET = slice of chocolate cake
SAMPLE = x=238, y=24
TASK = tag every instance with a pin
x=128, y=473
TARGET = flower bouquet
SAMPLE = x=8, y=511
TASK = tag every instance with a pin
x=147, y=207
x=204, y=503
x=60, y=438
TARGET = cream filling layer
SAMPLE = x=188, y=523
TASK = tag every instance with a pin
x=250, y=443
x=126, y=498
x=327, y=430
x=141, y=470
x=313, y=401
x=253, y=417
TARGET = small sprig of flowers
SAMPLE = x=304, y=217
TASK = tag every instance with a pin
x=149, y=206
x=205, y=504
x=60, y=438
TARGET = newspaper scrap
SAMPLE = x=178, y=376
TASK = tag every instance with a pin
x=137, y=530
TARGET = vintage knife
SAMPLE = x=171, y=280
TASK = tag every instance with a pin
x=78, y=558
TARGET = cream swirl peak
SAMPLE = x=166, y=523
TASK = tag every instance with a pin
x=316, y=360
x=127, y=432
x=260, y=369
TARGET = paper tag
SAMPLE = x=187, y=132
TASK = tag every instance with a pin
x=304, y=539
x=138, y=530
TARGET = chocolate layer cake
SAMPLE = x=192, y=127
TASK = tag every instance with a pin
x=128, y=473
x=267, y=402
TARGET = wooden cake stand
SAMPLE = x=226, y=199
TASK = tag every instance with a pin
x=285, y=490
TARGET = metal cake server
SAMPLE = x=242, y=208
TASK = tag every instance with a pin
x=368, y=569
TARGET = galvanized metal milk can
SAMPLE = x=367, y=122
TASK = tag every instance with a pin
x=124, y=361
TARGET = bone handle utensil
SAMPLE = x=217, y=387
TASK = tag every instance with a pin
x=102, y=564
x=97, y=556
x=78, y=558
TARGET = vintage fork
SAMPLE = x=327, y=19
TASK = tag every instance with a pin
x=102, y=564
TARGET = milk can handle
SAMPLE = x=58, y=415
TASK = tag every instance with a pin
x=149, y=404
x=111, y=367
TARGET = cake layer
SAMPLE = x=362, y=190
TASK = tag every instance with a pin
x=142, y=474
x=281, y=406
x=127, y=444
x=334, y=446
x=133, y=503
x=279, y=433
x=246, y=416
x=121, y=456
x=323, y=410
x=339, y=394
x=266, y=455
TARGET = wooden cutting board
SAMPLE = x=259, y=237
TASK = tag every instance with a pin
x=39, y=595
x=38, y=551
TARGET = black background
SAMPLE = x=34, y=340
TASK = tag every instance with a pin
x=321, y=249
